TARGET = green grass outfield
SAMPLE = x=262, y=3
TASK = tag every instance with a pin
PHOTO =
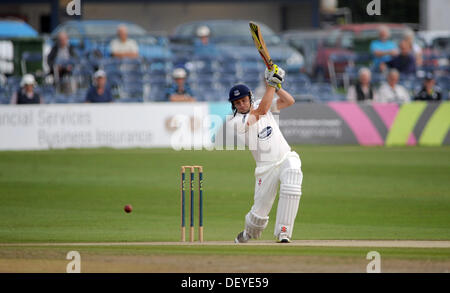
x=349, y=192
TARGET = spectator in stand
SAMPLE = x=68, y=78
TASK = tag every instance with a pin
x=99, y=92
x=203, y=46
x=383, y=49
x=405, y=62
x=391, y=91
x=429, y=91
x=416, y=49
x=179, y=91
x=26, y=94
x=362, y=90
x=123, y=47
x=61, y=56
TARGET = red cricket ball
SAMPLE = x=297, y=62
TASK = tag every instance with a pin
x=128, y=208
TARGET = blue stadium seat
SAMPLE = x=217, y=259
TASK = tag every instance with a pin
x=133, y=77
x=132, y=90
x=443, y=82
x=227, y=80
x=297, y=83
x=250, y=67
x=155, y=78
x=159, y=66
x=228, y=66
x=351, y=73
x=4, y=96
x=203, y=65
x=323, y=91
x=129, y=100
x=378, y=78
x=61, y=99
x=409, y=82
x=157, y=92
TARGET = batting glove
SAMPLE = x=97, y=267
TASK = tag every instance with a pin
x=274, y=77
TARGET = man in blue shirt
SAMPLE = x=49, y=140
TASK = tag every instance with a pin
x=203, y=46
x=405, y=62
x=383, y=49
x=179, y=91
x=99, y=93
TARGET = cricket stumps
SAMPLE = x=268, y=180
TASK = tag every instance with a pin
x=191, y=202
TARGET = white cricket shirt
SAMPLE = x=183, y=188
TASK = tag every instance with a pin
x=263, y=138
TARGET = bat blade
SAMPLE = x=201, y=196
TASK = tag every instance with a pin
x=260, y=44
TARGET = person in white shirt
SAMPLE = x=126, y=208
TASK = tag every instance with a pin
x=362, y=90
x=276, y=163
x=123, y=47
x=391, y=91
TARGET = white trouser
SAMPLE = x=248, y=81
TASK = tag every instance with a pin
x=289, y=175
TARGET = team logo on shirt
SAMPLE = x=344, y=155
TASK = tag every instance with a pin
x=265, y=133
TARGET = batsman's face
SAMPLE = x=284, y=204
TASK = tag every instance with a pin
x=242, y=105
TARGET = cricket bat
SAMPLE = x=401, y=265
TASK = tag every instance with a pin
x=260, y=45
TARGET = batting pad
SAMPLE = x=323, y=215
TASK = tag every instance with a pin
x=290, y=193
x=254, y=225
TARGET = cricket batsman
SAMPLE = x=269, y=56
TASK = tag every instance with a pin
x=276, y=163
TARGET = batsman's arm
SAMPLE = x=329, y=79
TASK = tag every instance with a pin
x=264, y=106
x=285, y=99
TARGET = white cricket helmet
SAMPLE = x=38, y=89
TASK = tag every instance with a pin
x=203, y=31
x=27, y=79
x=179, y=73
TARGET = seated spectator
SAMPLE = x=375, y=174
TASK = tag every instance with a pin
x=363, y=89
x=123, y=47
x=383, y=49
x=429, y=91
x=26, y=93
x=203, y=46
x=180, y=90
x=391, y=91
x=99, y=92
x=60, y=58
x=405, y=62
x=416, y=49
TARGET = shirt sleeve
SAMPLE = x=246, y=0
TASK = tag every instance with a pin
x=113, y=46
x=189, y=91
x=170, y=91
x=134, y=46
x=373, y=46
x=274, y=106
x=108, y=94
x=89, y=95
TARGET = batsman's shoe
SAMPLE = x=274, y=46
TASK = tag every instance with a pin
x=283, y=238
x=242, y=238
